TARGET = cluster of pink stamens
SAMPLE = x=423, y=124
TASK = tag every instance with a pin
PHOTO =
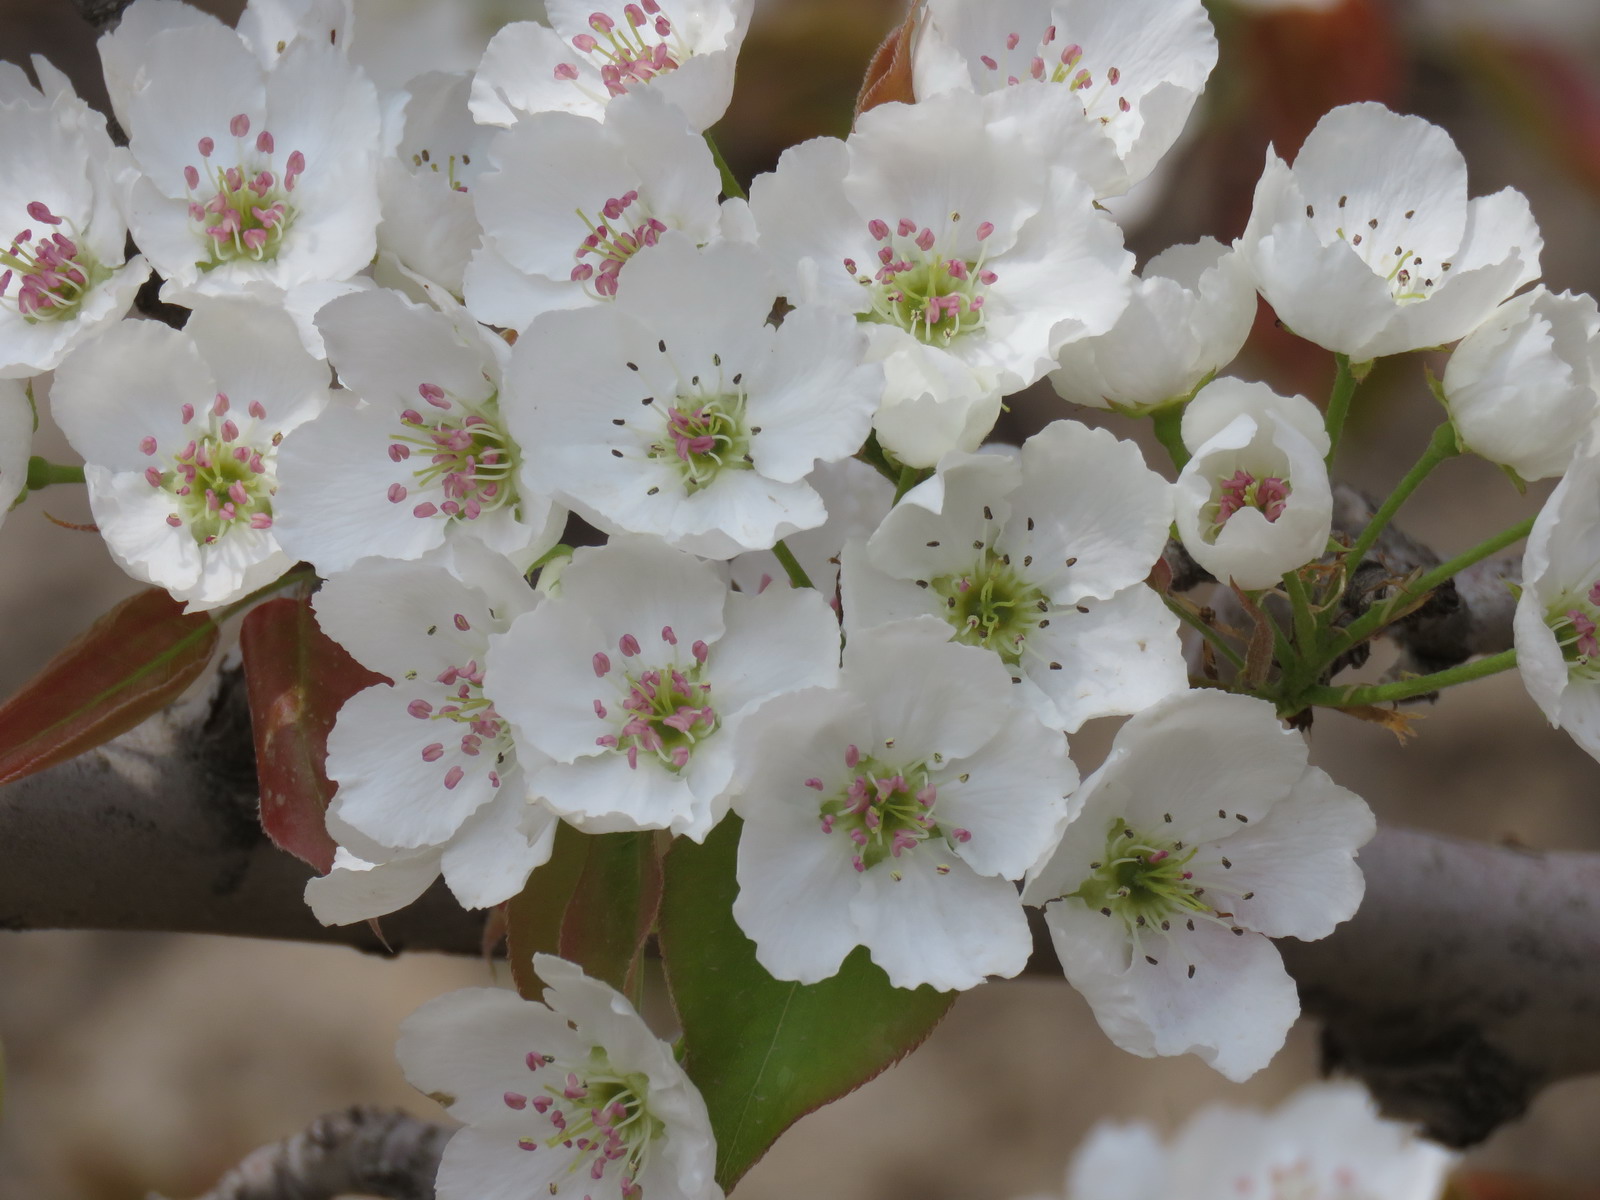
x=614, y=241
x=469, y=458
x=1050, y=65
x=1577, y=631
x=666, y=711
x=601, y=1115
x=1269, y=495
x=470, y=709
x=626, y=54
x=249, y=212
x=883, y=811
x=918, y=287
x=55, y=272
x=219, y=477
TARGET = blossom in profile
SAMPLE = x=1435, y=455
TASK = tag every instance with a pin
x=179, y=432
x=894, y=811
x=574, y=1095
x=1204, y=835
x=1136, y=67
x=1521, y=388
x=1369, y=246
x=1254, y=501
x=1326, y=1140
x=62, y=230
x=596, y=50
x=1557, y=622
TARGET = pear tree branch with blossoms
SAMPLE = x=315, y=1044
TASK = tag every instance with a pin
x=624, y=566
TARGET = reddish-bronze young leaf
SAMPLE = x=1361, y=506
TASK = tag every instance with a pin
x=613, y=907
x=889, y=73
x=297, y=678
x=127, y=666
x=534, y=916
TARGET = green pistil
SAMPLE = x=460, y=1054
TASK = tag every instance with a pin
x=705, y=435
x=907, y=299
x=1575, y=620
x=216, y=471
x=992, y=606
x=1145, y=881
x=885, y=812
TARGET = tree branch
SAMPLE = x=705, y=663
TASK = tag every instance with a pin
x=366, y=1151
x=101, y=14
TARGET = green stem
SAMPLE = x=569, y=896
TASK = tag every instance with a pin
x=1344, y=387
x=797, y=573
x=874, y=456
x=730, y=182
x=1306, y=633
x=1364, y=627
x=283, y=582
x=909, y=478
x=42, y=473
x=1168, y=425
x=1214, y=636
x=1417, y=685
x=1442, y=445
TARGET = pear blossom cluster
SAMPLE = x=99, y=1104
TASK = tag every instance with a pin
x=656, y=507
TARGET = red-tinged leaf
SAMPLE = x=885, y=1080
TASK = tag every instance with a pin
x=297, y=679
x=128, y=665
x=762, y=1051
x=613, y=907
x=1496, y=1185
x=534, y=915
x=888, y=75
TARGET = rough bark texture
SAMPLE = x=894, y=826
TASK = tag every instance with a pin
x=101, y=14
x=364, y=1151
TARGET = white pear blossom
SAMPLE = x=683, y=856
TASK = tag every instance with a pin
x=571, y=199
x=255, y=173
x=893, y=812
x=596, y=50
x=963, y=240
x=635, y=678
x=1039, y=558
x=1326, y=1141
x=1368, y=245
x=1135, y=66
x=414, y=451
x=679, y=411
x=572, y=1096
x=429, y=776
x=1521, y=388
x=1254, y=500
x=179, y=432
x=1188, y=317
x=62, y=232
x=1558, y=613
x=1203, y=835
x=16, y=442
x=426, y=186
x=857, y=497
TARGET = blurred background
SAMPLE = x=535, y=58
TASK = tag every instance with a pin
x=140, y=1062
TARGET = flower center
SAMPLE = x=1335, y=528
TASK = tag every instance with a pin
x=1298, y=1181
x=474, y=716
x=463, y=453
x=705, y=431
x=1268, y=495
x=249, y=211
x=992, y=605
x=929, y=293
x=884, y=811
x=1144, y=881
x=55, y=272
x=219, y=478
x=1574, y=618
x=645, y=44
x=1409, y=276
x=596, y=1110
x=1044, y=62
x=665, y=711
x=627, y=226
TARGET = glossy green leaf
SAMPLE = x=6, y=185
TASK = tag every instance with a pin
x=297, y=678
x=613, y=907
x=128, y=665
x=762, y=1051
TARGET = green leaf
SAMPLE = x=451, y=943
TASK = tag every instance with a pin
x=297, y=678
x=764, y=1052
x=534, y=915
x=128, y=665
x=613, y=908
